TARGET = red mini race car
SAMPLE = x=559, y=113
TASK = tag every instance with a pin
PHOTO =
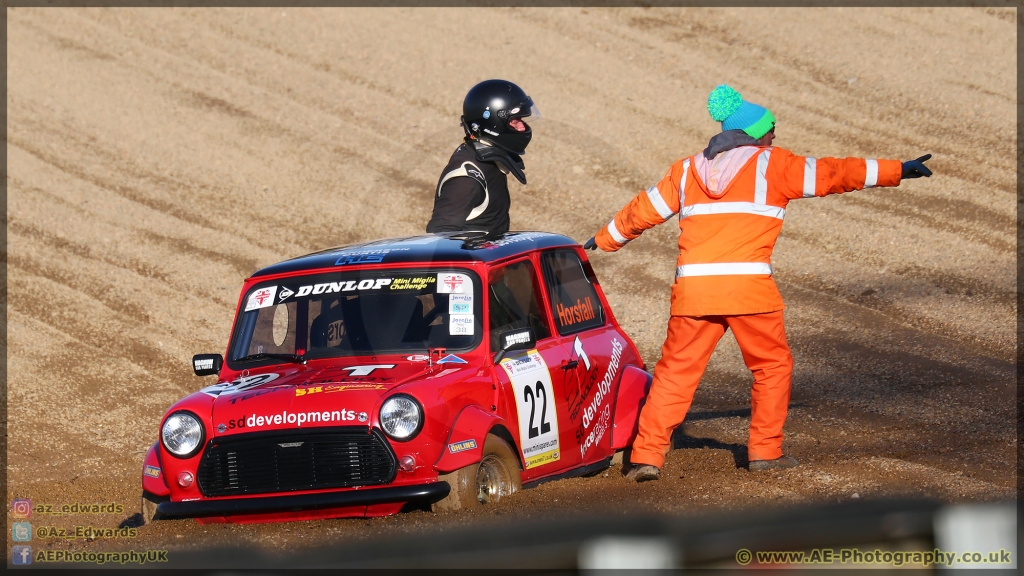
x=444, y=370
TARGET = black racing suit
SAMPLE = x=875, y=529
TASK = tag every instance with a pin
x=470, y=195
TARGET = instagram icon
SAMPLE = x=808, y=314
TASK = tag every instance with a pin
x=21, y=508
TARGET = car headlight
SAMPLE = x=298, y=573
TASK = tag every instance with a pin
x=401, y=417
x=182, y=434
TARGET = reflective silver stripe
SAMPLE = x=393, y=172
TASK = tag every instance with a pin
x=761, y=182
x=810, y=176
x=723, y=269
x=682, y=182
x=659, y=203
x=871, y=177
x=615, y=233
x=732, y=208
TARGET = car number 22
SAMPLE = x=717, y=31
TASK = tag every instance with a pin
x=538, y=419
x=541, y=397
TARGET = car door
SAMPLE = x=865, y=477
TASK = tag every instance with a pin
x=531, y=380
x=594, y=351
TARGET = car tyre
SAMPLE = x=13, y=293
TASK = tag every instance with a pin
x=494, y=477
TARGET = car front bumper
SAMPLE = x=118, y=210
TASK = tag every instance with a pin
x=296, y=503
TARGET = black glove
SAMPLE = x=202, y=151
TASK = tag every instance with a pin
x=916, y=168
x=590, y=245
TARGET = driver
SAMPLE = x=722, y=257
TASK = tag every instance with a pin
x=472, y=193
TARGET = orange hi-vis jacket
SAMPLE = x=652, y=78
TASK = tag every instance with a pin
x=726, y=239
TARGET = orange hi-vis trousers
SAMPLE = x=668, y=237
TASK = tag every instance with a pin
x=685, y=355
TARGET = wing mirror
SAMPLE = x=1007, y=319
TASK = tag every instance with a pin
x=518, y=339
x=207, y=364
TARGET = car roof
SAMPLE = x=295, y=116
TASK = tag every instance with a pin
x=444, y=246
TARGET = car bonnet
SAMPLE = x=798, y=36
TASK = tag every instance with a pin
x=302, y=398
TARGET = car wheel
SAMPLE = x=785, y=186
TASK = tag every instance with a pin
x=494, y=477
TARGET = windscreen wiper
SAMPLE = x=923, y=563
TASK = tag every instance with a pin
x=297, y=358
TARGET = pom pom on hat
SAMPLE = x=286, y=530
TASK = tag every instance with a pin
x=723, y=101
x=727, y=106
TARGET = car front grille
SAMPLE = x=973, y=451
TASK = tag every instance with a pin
x=265, y=462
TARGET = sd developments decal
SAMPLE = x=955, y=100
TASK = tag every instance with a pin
x=535, y=403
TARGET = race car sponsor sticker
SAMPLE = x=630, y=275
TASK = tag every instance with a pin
x=461, y=446
x=239, y=384
x=514, y=238
x=366, y=370
x=413, y=283
x=365, y=256
x=577, y=347
x=292, y=418
x=604, y=387
x=444, y=372
x=364, y=259
x=451, y=283
x=460, y=324
x=535, y=403
x=284, y=293
x=261, y=298
x=417, y=358
x=248, y=395
x=452, y=359
x=343, y=286
x=582, y=311
x=151, y=471
x=460, y=303
x=595, y=436
x=517, y=337
x=328, y=388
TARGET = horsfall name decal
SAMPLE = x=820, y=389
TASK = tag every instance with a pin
x=582, y=311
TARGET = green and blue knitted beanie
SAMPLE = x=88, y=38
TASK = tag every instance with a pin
x=727, y=106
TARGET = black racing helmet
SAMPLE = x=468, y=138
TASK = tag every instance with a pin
x=493, y=113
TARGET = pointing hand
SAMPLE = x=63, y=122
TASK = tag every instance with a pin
x=916, y=168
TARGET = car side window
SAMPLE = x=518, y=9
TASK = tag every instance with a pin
x=574, y=302
x=515, y=301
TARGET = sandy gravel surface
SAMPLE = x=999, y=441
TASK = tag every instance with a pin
x=156, y=157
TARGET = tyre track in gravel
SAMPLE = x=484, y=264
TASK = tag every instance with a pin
x=62, y=244
x=80, y=329
x=60, y=373
x=144, y=269
x=337, y=71
x=259, y=126
x=134, y=194
x=962, y=217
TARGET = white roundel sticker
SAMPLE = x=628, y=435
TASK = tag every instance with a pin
x=452, y=283
x=261, y=298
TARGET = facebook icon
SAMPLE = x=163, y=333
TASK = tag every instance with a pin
x=21, y=554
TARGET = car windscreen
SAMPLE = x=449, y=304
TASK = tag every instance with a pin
x=357, y=314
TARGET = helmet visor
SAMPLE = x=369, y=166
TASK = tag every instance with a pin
x=515, y=121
